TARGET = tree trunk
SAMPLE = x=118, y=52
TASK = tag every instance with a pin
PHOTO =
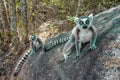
x=24, y=20
x=5, y=21
x=33, y=14
x=13, y=23
x=6, y=36
x=78, y=9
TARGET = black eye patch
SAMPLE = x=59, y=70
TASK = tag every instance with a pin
x=81, y=22
x=87, y=22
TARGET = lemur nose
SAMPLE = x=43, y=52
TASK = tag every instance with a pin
x=85, y=27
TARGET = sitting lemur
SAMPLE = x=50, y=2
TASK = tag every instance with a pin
x=35, y=44
x=83, y=32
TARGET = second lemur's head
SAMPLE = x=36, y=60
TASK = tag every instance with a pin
x=84, y=22
x=32, y=37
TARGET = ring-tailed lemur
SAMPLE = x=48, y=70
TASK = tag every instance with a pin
x=83, y=32
x=35, y=44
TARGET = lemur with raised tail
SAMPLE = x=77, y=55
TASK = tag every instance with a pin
x=35, y=44
x=83, y=32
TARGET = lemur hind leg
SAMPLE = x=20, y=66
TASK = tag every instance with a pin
x=78, y=48
x=67, y=50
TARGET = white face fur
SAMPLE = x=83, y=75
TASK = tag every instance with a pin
x=84, y=22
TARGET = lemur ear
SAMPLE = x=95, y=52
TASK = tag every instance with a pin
x=76, y=19
x=91, y=16
x=30, y=37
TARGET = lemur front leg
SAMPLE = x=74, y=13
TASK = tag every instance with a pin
x=68, y=47
x=78, y=48
x=39, y=45
x=93, y=39
x=32, y=47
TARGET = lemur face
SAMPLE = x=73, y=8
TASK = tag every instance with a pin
x=32, y=37
x=84, y=22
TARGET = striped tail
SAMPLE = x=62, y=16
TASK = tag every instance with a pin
x=55, y=43
x=21, y=62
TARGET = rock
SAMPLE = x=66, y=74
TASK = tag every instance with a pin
x=49, y=66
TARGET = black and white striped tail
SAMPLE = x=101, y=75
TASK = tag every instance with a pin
x=21, y=62
x=55, y=43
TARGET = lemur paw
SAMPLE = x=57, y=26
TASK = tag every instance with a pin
x=78, y=56
x=93, y=47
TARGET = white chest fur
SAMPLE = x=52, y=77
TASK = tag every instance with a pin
x=85, y=35
x=36, y=44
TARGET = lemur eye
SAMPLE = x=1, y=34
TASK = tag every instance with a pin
x=81, y=22
x=87, y=22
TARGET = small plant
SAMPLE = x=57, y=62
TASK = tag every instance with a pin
x=70, y=18
x=52, y=27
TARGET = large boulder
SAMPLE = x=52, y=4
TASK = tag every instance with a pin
x=49, y=65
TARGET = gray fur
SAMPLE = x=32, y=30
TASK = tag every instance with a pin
x=36, y=44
